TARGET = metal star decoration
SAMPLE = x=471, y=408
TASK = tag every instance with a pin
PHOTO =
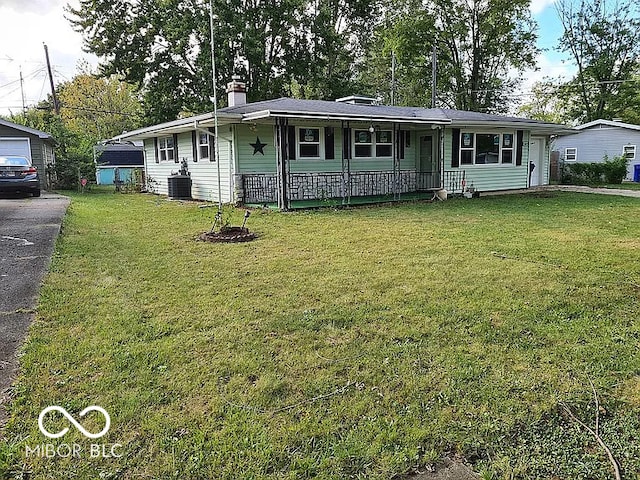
x=258, y=146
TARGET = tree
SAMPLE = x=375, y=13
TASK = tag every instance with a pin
x=92, y=109
x=603, y=40
x=544, y=104
x=306, y=47
x=98, y=107
x=479, y=43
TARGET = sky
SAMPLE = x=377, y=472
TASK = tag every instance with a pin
x=26, y=24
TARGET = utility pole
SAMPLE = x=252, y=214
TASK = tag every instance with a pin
x=24, y=107
x=434, y=76
x=56, y=106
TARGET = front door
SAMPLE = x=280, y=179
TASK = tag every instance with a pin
x=428, y=176
x=535, y=161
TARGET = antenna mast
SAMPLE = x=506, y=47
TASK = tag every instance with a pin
x=215, y=105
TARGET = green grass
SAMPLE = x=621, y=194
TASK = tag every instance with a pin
x=624, y=186
x=361, y=343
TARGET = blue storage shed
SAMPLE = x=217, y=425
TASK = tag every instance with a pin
x=117, y=161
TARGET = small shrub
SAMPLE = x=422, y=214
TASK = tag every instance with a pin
x=615, y=169
x=610, y=171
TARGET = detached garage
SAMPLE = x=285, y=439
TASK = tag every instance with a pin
x=34, y=144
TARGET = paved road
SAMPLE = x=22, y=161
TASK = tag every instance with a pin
x=28, y=231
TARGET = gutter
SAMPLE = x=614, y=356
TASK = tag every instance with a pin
x=249, y=117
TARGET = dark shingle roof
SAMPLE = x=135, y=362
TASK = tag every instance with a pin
x=22, y=128
x=323, y=107
x=294, y=107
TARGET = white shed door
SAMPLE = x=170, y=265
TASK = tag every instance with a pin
x=15, y=146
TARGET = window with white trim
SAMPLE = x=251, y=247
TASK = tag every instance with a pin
x=629, y=152
x=165, y=149
x=363, y=143
x=203, y=146
x=368, y=145
x=309, y=142
x=486, y=148
x=384, y=143
x=570, y=154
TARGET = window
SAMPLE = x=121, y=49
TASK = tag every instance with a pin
x=629, y=152
x=486, y=148
x=165, y=149
x=570, y=154
x=368, y=145
x=466, y=148
x=203, y=146
x=308, y=142
x=363, y=143
x=507, y=148
x=384, y=143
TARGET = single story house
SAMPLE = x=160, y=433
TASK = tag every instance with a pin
x=590, y=142
x=289, y=152
x=117, y=162
x=34, y=144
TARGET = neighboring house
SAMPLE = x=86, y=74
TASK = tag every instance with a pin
x=38, y=146
x=293, y=153
x=117, y=161
x=589, y=143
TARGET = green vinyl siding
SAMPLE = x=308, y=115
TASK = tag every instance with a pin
x=250, y=161
x=495, y=176
x=321, y=165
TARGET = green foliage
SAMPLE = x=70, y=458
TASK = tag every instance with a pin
x=92, y=109
x=280, y=47
x=479, y=45
x=603, y=40
x=608, y=172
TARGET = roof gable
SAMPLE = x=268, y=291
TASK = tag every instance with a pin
x=607, y=123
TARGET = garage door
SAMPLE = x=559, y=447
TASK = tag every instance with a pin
x=15, y=146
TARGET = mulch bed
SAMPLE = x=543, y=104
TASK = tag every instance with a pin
x=228, y=235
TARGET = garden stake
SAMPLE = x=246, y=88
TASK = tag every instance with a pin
x=216, y=220
x=246, y=215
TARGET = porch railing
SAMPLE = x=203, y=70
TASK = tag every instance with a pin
x=263, y=188
x=454, y=181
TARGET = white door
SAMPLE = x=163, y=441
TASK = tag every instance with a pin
x=535, y=161
x=15, y=146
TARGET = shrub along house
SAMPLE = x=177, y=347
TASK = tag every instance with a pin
x=291, y=153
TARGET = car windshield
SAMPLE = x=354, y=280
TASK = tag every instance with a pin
x=14, y=162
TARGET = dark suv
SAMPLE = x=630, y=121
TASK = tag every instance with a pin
x=17, y=174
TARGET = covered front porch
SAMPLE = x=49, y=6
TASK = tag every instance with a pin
x=411, y=168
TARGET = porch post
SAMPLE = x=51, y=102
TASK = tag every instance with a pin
x=396, y=166
x=282, y=152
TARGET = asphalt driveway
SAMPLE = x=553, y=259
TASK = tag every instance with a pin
x=28, y=231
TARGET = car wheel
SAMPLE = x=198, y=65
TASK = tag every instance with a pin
x=36, y=193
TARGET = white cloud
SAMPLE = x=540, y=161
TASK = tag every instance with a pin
x=537, y=6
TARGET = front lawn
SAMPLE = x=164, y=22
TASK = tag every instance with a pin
x=362, y=343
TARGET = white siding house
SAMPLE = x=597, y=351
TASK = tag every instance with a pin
x=592, y=141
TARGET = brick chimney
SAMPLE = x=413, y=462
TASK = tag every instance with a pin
x=236, y=92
